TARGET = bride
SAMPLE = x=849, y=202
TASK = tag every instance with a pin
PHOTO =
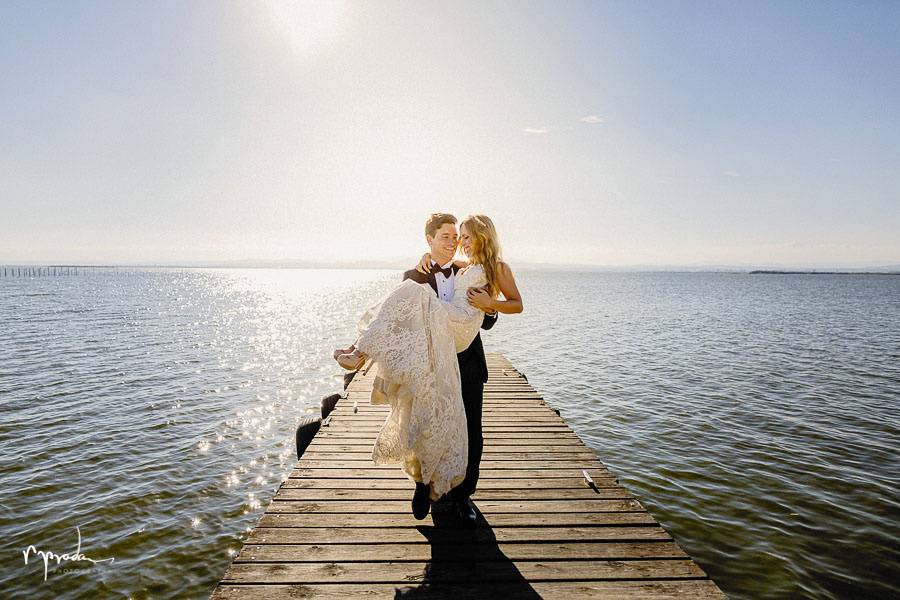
x=412, y=338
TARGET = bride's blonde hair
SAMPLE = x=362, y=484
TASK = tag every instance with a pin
x=485, y=250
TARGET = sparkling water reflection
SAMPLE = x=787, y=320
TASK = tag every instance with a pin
x=755, y=416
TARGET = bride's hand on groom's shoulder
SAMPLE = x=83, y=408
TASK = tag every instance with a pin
x=424, y=266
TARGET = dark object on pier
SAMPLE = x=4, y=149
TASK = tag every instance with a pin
x=306, y=431
x=348, y=377
x=328, y=404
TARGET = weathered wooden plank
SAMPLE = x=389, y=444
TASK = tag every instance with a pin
x=499, y=452
x=328, y=436
x=542, y=460
x=510, y=388
x=506, y=387
x=538, y=460
x=487, y=420
x=514, y=385
x=496, y=400
x=499, y=485
x=465, y=551
x=492, y=409
x=692, y=589
x=276, y=519
x=517, y=389
x=336, y=429
x=390, y=472
x=460, y=572
x=542, y=416
x=381, y=494
x=522, y=430
x=432, y=534
x=509, y=446
x=490, y=454
x=498, y=410
x=525, y=392
x=498, y=462
x=281, y=504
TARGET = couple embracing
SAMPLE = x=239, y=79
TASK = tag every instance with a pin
x=423, y=339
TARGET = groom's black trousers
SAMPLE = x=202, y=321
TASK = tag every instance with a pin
x=473, y=399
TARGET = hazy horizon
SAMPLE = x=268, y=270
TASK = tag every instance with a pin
x=600, y=133
x=879, y=267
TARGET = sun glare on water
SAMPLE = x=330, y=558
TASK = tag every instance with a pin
x=306, y=26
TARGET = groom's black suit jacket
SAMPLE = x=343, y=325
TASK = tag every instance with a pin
x=472, y=364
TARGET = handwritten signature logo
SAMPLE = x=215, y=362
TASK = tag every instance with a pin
x=48, y=556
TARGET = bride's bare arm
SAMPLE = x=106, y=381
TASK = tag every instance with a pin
x=512, y=302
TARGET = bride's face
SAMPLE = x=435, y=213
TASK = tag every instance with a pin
x=465, y=241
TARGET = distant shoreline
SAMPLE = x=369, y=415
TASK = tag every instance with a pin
x=824, y=273
x=12, y=269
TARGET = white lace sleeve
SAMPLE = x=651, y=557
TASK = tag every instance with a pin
x=460, y=312
x=459, y=309
x=465, y=319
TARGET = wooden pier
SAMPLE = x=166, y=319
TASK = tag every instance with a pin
x=340, y=527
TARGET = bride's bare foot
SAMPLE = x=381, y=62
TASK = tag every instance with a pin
x=352, y=361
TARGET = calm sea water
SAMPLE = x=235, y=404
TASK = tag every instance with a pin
x=755, y=416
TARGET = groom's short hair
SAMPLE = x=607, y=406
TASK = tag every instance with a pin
x=436, y=221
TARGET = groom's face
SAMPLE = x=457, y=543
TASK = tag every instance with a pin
x=443, y=244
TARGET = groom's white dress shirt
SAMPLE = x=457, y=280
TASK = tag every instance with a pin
x=444, y=284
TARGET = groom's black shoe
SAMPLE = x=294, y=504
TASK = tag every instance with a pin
x=421, y=501
x=466, y=511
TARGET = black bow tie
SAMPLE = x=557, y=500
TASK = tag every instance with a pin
x=447, y=272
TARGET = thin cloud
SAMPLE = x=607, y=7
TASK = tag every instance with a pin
x=536, y=130
x=731, y=173
x=592, y=119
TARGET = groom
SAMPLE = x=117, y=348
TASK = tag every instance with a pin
x=442, y=238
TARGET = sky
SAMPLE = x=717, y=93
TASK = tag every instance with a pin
x=601, y=133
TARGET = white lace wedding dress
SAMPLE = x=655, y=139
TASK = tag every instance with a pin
x=412, y=338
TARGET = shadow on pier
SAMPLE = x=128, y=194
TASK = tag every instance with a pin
x=465, y=560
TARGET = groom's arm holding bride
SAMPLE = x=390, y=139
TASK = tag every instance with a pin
x=490, y=319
